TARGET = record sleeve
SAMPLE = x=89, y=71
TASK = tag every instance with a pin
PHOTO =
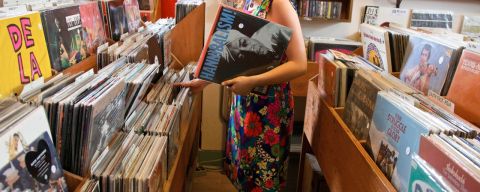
x=241, y=44
x=30, y=161
x=23, y=61
x=65, y=37
x=92, y=24
x=427, y=64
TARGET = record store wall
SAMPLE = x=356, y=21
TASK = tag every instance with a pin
x=348, y=30
x=213, y=131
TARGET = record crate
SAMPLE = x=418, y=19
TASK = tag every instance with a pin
x=344, y=160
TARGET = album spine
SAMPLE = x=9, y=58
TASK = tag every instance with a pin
x=205, y=49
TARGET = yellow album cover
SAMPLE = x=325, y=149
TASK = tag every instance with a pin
x=24, y=55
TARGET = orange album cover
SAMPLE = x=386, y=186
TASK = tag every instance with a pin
x=464, y=91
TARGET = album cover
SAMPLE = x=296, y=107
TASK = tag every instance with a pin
x=360, y=105
x=117, y=19
x=64, y=35
x=23, y=61
x=424, y=178
x=394, y=137
x=317, y=46
x=92, y=24
x=432, y=19
x=29, y=161
x=464, y=89
x=377, y=16
x=471, y=27
x=427, y=64
x=376, y=46
x=446, y=164
x=241, y=44
x=106, y=117
x=132, y=12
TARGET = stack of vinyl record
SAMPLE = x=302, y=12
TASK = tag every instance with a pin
x=146, y=44
x=132, y=162
x=86, y=110
x=384, y=46
x=184, y=7
x=320, y=45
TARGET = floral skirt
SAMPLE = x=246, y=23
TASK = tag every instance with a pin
x=258, y=139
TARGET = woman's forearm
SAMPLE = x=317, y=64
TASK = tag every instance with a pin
x=283, y=73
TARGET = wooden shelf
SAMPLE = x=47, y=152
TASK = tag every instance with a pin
x=85, y=65
x=345, y=15
x=323, y=19
x=343, y=159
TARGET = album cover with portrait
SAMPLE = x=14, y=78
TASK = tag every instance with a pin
x=376, y=46
x=65, y=36
x=29, y=161
x=429, y=64
x=241, y=44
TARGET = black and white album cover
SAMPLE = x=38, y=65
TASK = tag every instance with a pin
x=241, y=44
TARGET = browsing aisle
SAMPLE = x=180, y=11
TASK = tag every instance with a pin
x=400, y=113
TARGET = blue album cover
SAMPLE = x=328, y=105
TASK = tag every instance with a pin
x=394, y=137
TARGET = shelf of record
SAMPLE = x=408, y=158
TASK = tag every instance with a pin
x=372, y=131
x=87, y=99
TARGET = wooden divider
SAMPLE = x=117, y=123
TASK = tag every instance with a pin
x=187, y=43
x=85, y=65
x=187, y=38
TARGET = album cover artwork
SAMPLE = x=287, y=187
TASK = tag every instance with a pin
x=64, y=35
x=132, y=12
x=93, y=28
x=241, y=44
x=118, y=20
x=29, y=161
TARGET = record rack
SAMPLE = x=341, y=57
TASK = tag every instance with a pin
x=186, y=47
x=345, y=162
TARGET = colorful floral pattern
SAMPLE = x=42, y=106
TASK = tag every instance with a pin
x=258, y=139
x=259, y=130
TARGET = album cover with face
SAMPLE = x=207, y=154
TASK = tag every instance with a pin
x=65, y=37
x=29, y=161
x=428, y=64
x=241, y=44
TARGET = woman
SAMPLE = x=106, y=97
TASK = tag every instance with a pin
x=257, y=144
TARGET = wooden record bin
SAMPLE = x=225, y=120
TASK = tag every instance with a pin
x=186, y=46
x=344, y=160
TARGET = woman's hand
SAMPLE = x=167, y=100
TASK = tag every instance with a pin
x=195, y=85
x=240, y=85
